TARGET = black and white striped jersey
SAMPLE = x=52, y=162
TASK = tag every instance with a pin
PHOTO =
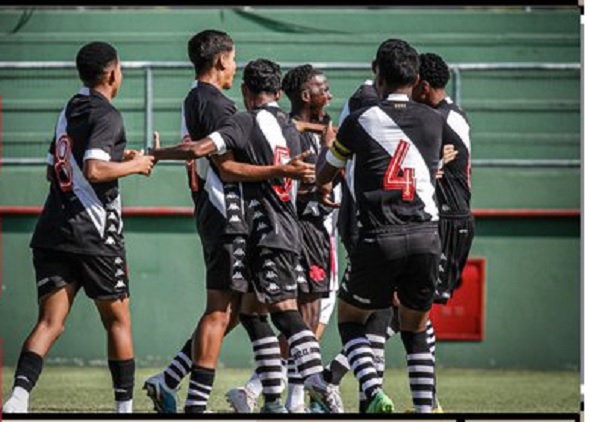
x=453, y=189
x=265, y=136
x=395, y=151
x=218, y=205
x=80, y=216
x=347, y=221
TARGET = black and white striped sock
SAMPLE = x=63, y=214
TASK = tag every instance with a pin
x=199, y=389
x=266, y=353
x=421, y=369
x=303, y=346
x=179, y=367
x=431, y=341
x=361, y=357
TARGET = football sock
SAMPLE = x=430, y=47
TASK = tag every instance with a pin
x=28, y=369
x=303, y=346
x=360, y=356
x=421, y=369
x=199, y=389
x=123, y=378
x=179, y=367
x=266, y=354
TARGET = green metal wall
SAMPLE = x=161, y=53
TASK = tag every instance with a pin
x=532, y=297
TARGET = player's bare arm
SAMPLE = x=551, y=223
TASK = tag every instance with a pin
x=97, y=171
x=233, y=171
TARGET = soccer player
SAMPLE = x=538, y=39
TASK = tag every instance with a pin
x=78, y=240
x=220, y=223
x=453, y=188
x=396, y=144
x=264, y=135
x=308, y=92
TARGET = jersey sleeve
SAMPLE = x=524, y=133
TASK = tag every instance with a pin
x=342, y=149
x=233, y=134
x=105, y=131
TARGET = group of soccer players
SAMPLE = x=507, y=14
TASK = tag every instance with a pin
x=266, y=185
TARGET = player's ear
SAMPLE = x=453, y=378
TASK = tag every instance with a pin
x=373, y=66
x=278, y=95
x=305, y=95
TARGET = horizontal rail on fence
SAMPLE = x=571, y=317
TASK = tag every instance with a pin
x=321, y=65
x=503, y=163
x=16, y=210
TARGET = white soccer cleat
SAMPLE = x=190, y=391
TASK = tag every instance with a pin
x=16, y=405
x=327, y=395
x=241, y=400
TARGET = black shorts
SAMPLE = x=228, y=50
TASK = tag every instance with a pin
x=405, y=259
x=225, y=261
x=456, y=235
x=274, y=274
x=315, y=257
x=102, y=277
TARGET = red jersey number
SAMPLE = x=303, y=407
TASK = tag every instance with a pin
x=62, y=164
x=282, y=156
x=405, y=182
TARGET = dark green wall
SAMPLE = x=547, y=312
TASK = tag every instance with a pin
x=532, y=296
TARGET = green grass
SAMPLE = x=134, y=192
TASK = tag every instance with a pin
x=88, y=389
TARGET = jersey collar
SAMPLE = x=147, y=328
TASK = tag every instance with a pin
x=398, y=97
x=84, y=91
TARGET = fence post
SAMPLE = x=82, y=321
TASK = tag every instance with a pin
x=148, y=142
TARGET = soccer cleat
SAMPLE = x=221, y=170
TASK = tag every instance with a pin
x=380, y=403
x=315, y=407
x=275, y=406
x=164, y=398
x=15, y=405
x=436, y=409
x=241, y=400
x=325, y=394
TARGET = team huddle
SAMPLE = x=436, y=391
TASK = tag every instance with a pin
x=273, y=191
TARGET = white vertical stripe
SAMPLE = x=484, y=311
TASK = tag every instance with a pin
x=387, y=133
x=459, y=125
x=214, y=187
x=350, y=171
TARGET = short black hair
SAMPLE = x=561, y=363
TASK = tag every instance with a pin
x=397, y=62
x=204, y=48
x=433, y=69
x=93, y=59
x=295, y=78
x=262, y=75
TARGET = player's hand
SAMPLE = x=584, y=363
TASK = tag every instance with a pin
x=144, y=164
x=448, y=153
x=439, y=174
x=324, y=196
x=329, y=133
x=129, y=154
x=296, y=168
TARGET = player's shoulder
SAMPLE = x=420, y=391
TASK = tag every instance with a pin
x=100, y=108
x=447, y=105
x=205, y=93
x=364, y=96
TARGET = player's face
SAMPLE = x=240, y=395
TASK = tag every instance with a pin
x=230, y=68
x=319, y=93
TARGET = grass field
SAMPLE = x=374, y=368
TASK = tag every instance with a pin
x=74, y=389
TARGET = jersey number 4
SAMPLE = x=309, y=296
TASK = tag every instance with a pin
x=405, y=182
x=62, y=164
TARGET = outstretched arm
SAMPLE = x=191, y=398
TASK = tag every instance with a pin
x=233, y=171
x=186, y=150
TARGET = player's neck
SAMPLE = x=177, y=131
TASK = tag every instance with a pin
x=212, y=78
x=437, y=97
x=104, y=90
x=302, y=114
